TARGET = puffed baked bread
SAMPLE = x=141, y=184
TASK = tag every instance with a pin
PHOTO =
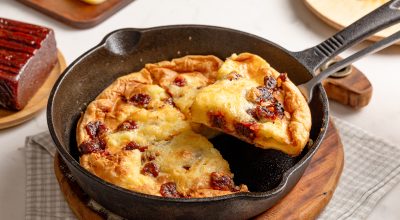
x=255, y=103
x=148, y=130
x=137, y=133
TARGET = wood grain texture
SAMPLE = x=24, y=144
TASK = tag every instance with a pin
x=76, y=13
x=354, y=90
x=342, y=13
x=37, y=102
x=308, y=198
x=73, y=193
x=315, y=189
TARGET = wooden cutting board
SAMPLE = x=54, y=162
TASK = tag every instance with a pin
x=342, y=13
x=307, y=199
x=354, y=90
x=317, y=185
x=38, y=101
x=76, y=13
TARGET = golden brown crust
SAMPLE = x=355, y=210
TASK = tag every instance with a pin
x=136, y=133
x=254, y=102
x=146, y=131
x=182, y=78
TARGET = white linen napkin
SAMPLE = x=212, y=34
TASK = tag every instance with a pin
x=43, y=198
x=371, y=170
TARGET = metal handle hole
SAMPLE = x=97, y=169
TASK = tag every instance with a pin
x=339, y=74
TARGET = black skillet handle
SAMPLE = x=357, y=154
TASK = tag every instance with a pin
x=385, y=16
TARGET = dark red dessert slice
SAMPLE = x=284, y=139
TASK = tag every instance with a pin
x=28, y=53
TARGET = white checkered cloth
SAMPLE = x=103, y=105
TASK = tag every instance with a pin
x=43, y=199
x=371, y=170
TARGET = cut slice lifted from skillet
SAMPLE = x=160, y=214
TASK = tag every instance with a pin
x=254, y=102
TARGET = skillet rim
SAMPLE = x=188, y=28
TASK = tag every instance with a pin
x=250, y=195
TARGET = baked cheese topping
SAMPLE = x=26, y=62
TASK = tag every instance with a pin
x=187, y=162
x=148, y=130
x=254, y=102
x=137, y=134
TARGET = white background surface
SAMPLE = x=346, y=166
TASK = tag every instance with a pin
x=285, y=22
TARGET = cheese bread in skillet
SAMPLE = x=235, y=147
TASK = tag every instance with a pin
x=147, y=131
x=254, y=102
x=182, y=79
x=137, y=133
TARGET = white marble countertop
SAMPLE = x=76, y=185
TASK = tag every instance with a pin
x=285, y=22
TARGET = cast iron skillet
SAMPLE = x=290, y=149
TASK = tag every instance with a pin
x=269, y=174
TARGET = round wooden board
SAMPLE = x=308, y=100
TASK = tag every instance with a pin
x=38, y=101
x=342, y=13
x=307, y=199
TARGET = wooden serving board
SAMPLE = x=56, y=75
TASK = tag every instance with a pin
x=37, y=102
x=317, y=185
x=354, y=90
x=342, y=13
x=307, y=199
x=76, y=13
